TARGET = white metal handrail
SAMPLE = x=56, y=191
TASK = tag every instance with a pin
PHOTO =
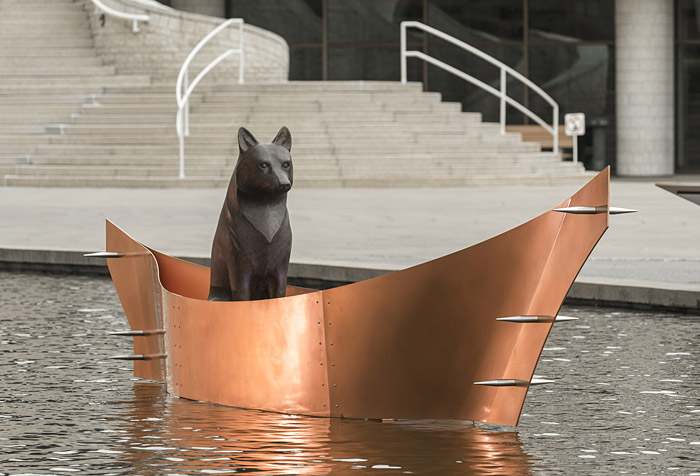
x=500, y=93
x=182, y=123
x=135, y=18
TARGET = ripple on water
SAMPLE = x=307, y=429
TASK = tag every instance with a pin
x=71, y=410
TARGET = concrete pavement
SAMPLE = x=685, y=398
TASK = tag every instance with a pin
x=651, y=257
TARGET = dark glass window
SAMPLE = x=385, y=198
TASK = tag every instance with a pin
x=687, y=86
x=362, y=21
x=478, y=20
x=687, y=20
x=579, y=77
x=299, y=22
x=566, y=21
x=376, y=63
x=305, y=63
x=472, y=97
x=688, y=108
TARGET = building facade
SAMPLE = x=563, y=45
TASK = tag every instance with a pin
x=632, y=66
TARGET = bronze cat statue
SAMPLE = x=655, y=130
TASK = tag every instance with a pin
x=253, y=240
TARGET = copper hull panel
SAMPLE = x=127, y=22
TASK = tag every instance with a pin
x=409, y=344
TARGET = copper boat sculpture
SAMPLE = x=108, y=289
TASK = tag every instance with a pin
x=454, y=338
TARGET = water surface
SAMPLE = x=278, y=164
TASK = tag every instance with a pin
x=626, y=401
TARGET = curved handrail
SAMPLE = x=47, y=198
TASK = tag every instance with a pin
x=505, y=70
x=182, y=122
x=134, y=17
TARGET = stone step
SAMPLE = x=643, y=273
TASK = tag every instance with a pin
x=335, y=107
x=75, y=82
x=50, y=61
x=129, y=102
x=208, y=114
x=54, y=148
x=105, y=182
x=55, y=71
x=301, y=110
x=63, y=150
x=282, y=102
x=291, y=86
x=345, y=170
x=215, y=133
x=228, y=159
x=38, y=103
x=419, y=144
x=14, y=139
x=166, y=96
x=21, y=129
x=48, y=88
x=258, y=125
x=49, y=117
x=45, y=52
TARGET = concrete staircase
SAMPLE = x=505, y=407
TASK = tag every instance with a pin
x=69, y=120
x=49, y=72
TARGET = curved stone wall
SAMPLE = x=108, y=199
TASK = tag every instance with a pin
x=163, y=43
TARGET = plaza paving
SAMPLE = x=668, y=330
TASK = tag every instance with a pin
x=382, y=229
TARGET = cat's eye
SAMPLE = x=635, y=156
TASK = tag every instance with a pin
x=263, y=166
x=286, y=165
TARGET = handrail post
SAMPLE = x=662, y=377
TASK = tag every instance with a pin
x=503, y=101
x=555, y=124
x=241, y=55
x=186, y=107
x=181, y=138
x=135, y=26
x=403, y=53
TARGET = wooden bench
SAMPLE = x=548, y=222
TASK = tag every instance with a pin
x=535, y=133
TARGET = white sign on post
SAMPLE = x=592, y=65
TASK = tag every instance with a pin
x=575, y=125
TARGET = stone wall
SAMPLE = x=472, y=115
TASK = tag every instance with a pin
x=163, y=43
x=644, y=87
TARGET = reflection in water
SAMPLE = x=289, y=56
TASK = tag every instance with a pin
x=165, y=434
x=626, y=400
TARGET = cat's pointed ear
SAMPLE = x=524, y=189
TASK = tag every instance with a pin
x=284, y=138
x=246, y=140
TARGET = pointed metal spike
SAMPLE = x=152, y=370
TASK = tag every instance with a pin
x=594, y=210
x=129, y=357
x=512, y=382
x=526, y=319
x=620, y=211
x=105, y=254
x=581, y=210
x=533, y=319
x=502, y=382
x=139, y=356
x=137, y=333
